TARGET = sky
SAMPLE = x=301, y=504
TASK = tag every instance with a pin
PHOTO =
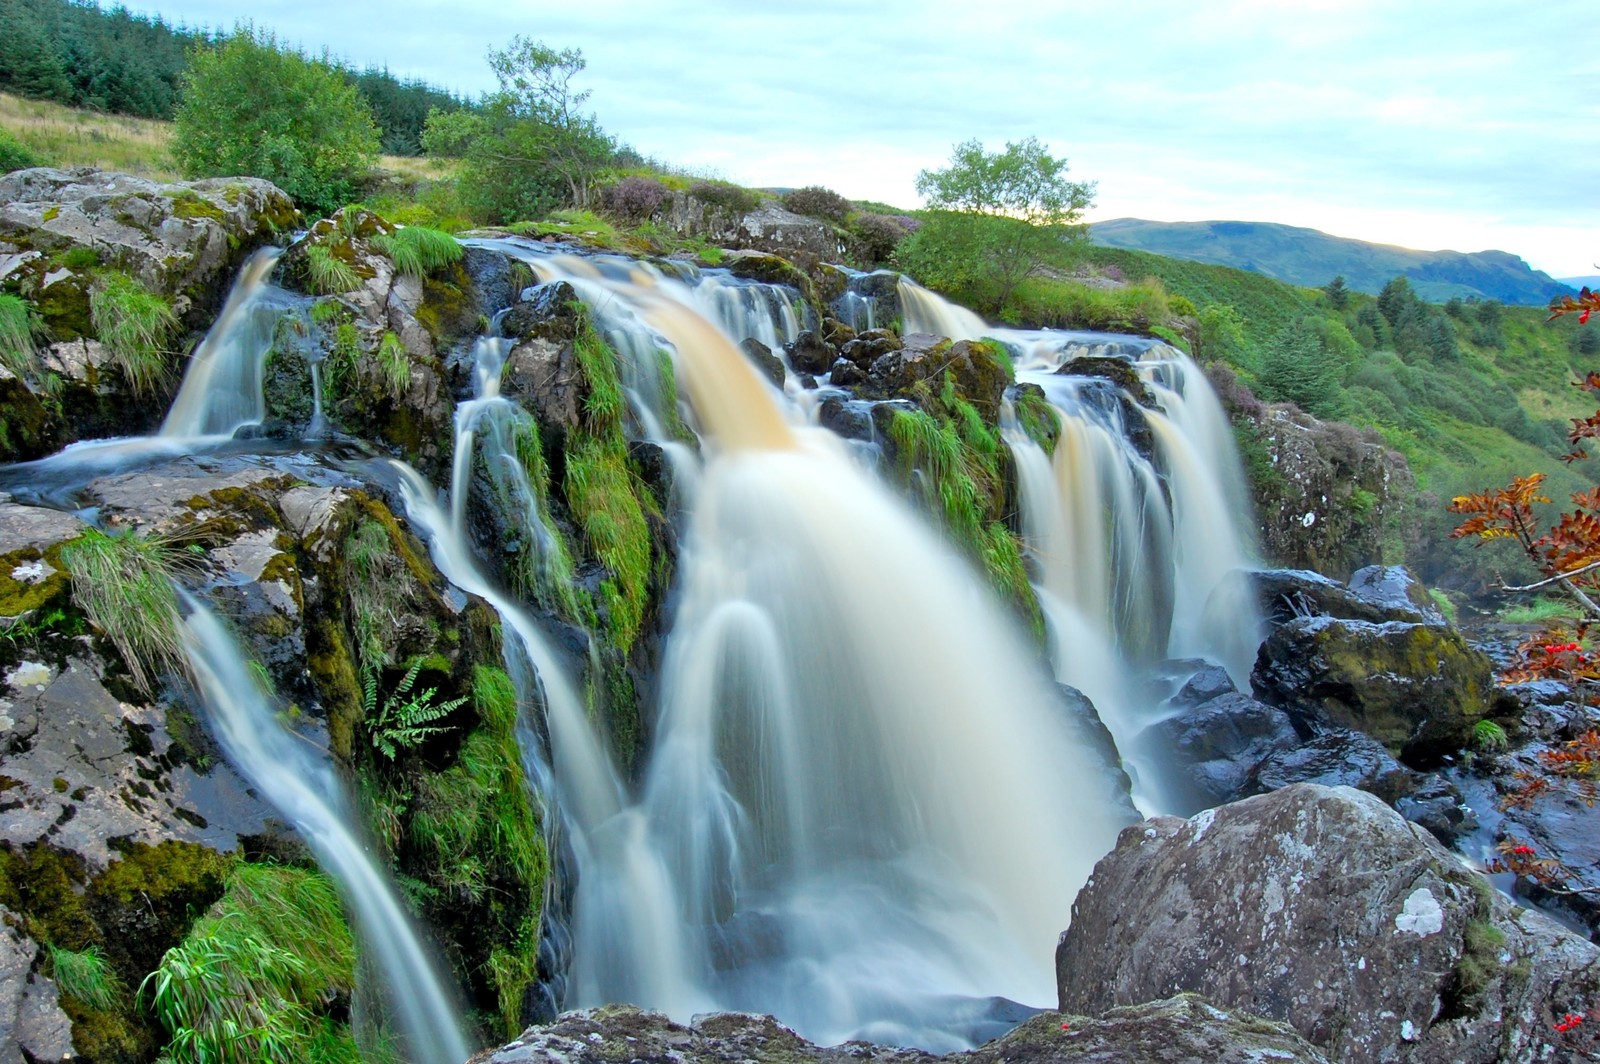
x=1465, y=125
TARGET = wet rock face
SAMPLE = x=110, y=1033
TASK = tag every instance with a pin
x=1217, y=746
x=1182, y=1028
x=1376, y=594
x=1329, y=497
x=1417, y=688
x=1323, y=909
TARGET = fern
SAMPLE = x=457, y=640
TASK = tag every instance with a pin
x=406, y=718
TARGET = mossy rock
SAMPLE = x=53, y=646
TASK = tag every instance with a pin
x=450, y=310
x=27, y=429
x=1118, y=371
x=20, y=597
x=1416, y=688
x=770, y=269
x=145, y=902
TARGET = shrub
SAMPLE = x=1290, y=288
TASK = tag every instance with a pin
x=135, y=325
x=15, y=155
x=875, y=237
x=817, y=202
x=729, y=197
x=633, y=199
x=251, y=107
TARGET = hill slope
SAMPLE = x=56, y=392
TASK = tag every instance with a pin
x=1312, y=258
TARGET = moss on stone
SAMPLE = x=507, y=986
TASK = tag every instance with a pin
x=190, y=205
x=146, y=901
x=19, y=598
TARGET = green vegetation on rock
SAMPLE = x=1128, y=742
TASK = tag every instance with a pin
x=124, y=585
x=417, y=250
x=254, y=977
x=135, y=324
x=16, y=334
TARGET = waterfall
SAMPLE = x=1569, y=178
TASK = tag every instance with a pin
x=862, y=811
x=923, y=312
x=302, y=787
x=221, y=390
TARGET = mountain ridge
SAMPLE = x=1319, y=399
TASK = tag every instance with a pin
x=1311, y=258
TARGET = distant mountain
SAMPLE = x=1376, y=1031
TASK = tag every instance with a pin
x=1311, y=258
x=1591, y=281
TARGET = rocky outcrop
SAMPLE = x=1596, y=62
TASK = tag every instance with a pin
x=63, y=233
x=923, y=360
x=1183, y=1028
x=181, y=240
x=1323, y=909
x=1416, y=688
x=1329, y=497
x=1217, y=746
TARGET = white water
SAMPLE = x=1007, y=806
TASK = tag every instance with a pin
x=221, y=389
x=301, y=787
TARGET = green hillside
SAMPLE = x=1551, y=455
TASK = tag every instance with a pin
x=1308, y=257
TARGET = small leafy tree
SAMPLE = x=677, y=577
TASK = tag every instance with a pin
x=251, y=107
x=1567, y=555
x=529, y=148
x=996, y=218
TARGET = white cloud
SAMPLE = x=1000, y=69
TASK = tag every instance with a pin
x=1414, y=123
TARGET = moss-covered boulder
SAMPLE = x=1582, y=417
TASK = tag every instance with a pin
x=978, y=371
x=1417, y=688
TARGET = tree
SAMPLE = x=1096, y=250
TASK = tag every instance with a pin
x=1567, y=555
x=995, y=219
x=530, y=148
x=1338, y=293
x=253, y=108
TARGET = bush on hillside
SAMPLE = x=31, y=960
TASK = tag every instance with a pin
x=633, y=199
x=814, y=201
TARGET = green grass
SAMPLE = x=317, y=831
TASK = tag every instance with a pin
x=1045, y=302
x=135, y=325
x=396, y=365
x=1487, y=735
x=16, y=334
x=417, y=251
x=959, y=460
x=87, y=976
x=604, y=494
x=474, y=826
x=328, y=274
x=124, y=585
x=1541, y=610
x=254, y=976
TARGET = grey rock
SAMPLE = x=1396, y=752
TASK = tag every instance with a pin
x=810, y=353
x=1179, y=1029
x=1286, y=594
x=847, y=418
x=761, y=356
x=1323, y=909
x=1217, y=746
x=1209, y=681
x=1393, y=589
x=32, y=1025
x=543, y=375
x=1339, y=758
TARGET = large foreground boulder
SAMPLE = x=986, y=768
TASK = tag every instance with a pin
x=1322, y=908
x=1184, y=1028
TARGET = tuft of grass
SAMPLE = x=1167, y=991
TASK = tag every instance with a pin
x=1038, y=419
x=417, y=251
x=1488, y=735
x=135, y=324
x=124, y=585
x=396, y=365
x=1541, y=610
x=328, y=274
x=87, y=976
x=17, y=327
x=253, y=977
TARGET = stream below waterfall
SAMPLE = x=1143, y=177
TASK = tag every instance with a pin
x=863, y=807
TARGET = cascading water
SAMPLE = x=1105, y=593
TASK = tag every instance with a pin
x=303, y=788
x=221, y=390
x=862, y=802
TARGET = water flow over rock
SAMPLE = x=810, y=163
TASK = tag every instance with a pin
x=304, y=790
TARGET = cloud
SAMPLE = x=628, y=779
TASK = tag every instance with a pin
x=1345, y=115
